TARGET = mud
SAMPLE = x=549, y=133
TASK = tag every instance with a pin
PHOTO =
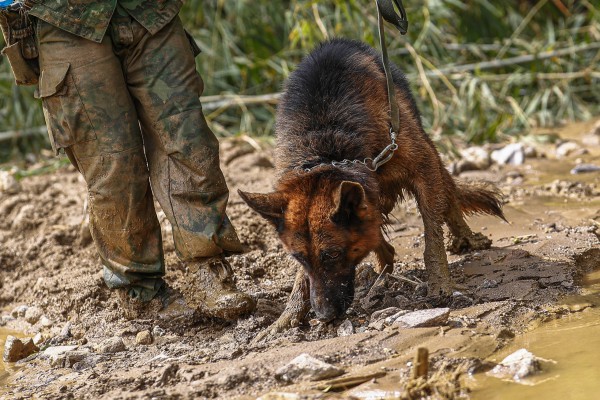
x=537, y=260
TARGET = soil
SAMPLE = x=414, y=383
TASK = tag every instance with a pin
x=47, y=261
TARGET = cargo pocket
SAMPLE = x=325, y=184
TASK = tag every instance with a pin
x=66, y=118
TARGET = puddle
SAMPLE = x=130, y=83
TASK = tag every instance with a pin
x=573, y=342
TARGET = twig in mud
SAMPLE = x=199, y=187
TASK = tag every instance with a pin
x=421, y=363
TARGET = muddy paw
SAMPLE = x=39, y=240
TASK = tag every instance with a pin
x=464, y=244
x=287, y=320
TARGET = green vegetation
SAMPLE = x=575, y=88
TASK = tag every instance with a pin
x=479, y=69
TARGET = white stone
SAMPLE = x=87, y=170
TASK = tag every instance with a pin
x=346, y=328
x=111, y=345
x=513, y=154
x=566, y=149
x=306, y=367
x=478, y=156
x=423, y=318
x=32, y=315
x=517, y=366
x=8, y=183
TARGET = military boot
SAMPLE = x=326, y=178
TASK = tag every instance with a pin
x=168, y=305
x=211, y=289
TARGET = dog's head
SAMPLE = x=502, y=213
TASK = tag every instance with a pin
x=329, y=226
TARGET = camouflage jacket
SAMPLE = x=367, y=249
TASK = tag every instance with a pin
x=90, y=19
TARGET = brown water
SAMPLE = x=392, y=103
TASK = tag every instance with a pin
x=573, y=342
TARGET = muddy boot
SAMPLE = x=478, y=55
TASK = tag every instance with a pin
x=210, y=288
x=168, y=305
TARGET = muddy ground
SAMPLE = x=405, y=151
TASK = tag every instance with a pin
x=47, y=263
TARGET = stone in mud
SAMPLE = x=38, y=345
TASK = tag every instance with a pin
x=306, y=367
x=345, y=328
x=567, y=149
x=15, y=349
x=46, y=322
x=517, y=366
x=476, y=157
x=423, y=318
x=8, y=183
x=512, y=154
x=585, y=168
x=56, y=354
x=111, y=345
x=33, y=315
x=382, y=318
x=144, y=338
x=74, y=357
x=38, y=339
x=19, y=312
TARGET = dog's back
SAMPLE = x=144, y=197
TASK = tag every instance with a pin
x=335, y=106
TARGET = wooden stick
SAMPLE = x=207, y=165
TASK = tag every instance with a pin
x=421, y=363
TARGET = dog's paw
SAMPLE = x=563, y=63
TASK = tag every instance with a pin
x=289, y=319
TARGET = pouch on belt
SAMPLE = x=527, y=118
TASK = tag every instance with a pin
x=21, y=49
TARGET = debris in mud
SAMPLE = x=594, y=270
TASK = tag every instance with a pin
x=423, y=318
x=306, y=367
x=16, y=349
x=517, y=366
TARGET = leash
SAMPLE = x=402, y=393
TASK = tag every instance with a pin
x=387, y=12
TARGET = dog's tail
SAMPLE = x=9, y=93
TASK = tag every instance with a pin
x=480, y=198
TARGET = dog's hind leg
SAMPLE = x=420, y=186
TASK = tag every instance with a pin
x=296, y=309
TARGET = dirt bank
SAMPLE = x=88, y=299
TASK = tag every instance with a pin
x=48, y=265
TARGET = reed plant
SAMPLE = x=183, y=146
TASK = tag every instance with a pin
x=480, y=70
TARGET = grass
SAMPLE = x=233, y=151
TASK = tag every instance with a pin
x=473, y=64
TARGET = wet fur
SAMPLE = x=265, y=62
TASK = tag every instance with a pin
x=335, y=108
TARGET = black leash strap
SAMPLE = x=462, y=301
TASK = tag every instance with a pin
x=386, y=11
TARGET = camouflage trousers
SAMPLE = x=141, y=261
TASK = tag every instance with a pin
x=127, y=113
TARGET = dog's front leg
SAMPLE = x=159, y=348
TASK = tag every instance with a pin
x=296, y=309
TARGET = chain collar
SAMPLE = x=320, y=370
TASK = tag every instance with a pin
x=372, y=164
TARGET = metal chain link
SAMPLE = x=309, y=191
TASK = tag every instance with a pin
x=372, y=164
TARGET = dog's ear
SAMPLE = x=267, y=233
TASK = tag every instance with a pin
x=270, y=206
x=349, y=203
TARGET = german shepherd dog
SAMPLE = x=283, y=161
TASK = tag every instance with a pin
x=330, y=217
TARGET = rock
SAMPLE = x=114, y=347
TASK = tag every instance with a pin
x=38, y=339
x=583, y=168
x=306, y=367
x=280, y=396
x=592, y=138
x=33, y=315
x=16, y=349
x=56, y=354
x=423, y=318
x=8, y=183
x=46, y=322
x=477, y=157
x=513, y=154
x=517, y=366
x=89, y=361
x=73, y=357
x=19, y=312
x=111, y=345
x=66, y=330
x=158, y=331
x=379, y=318
x=345, y=328
x=144, y=338
x=566, y=149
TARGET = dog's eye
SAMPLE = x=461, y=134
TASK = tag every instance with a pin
x=330, y=255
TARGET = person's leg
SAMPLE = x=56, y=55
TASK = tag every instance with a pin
x=183, y=158
x=90, y=114
x=182, y=151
